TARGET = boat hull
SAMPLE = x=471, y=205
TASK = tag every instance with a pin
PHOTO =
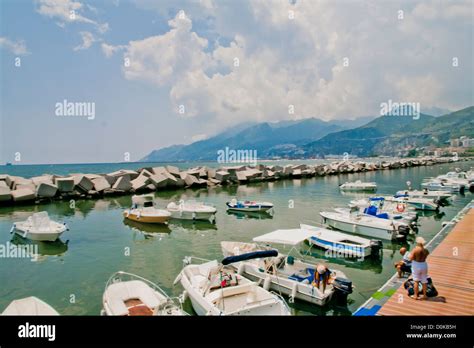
x=335, y=247
x=374, y=232
x=39, y=237
x=146, y=219
x=190, y=215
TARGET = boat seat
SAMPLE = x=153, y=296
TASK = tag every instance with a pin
x=217, y=295
x=117, y=294
x=301, y=277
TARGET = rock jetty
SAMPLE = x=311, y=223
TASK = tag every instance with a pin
x=48, y=187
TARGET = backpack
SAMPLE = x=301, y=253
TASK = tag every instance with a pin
x=431, y=291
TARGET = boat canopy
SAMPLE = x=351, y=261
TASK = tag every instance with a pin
x=377, y=198
x=248, y=256
x=288, y=237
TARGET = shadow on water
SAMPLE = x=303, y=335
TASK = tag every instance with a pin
x=147, y=228
x=55, y=248
x=250, y=215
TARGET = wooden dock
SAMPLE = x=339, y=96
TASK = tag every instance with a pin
x=450, y=265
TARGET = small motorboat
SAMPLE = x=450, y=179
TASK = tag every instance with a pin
x=29, y=306
x=127, y=294
x=192, y=210
x=39, y=227
x=284, y=273
x=419, y=203
x=341, y=243
x=217, y=289
x=442, y=185
x=144, y=210
x=379, y=207
x=366, y=225
x=249, y=206
x=441, y=196
x=359, y=186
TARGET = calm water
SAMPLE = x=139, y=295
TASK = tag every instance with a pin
x=99, y=238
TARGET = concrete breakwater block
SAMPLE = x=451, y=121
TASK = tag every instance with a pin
x=173, y=170
x=25, y=186
x=123, y=184
x=43, y=178
x=5, y=194
x=6, y=179
x=122, y=172
x=65, y=184
x=222, y=175
x=47, y=190
x=18, y=180
x=159, y=180
x=82, y=183
x=23, y=195
x=241, y=176
x=100, y=184
x=140, y=182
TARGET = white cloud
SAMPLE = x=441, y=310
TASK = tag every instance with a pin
x=16, y=47
x=299, y=61
x=69, y=11
x=87, y=40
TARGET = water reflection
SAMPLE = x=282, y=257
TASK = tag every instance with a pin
x=250, y=215
x=55, y=248
x=149, y=229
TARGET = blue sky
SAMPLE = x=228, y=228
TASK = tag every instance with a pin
x=286, y=53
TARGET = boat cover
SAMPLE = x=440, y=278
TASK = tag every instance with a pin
x=29, y=306
x=288, y=237
x=248, y=256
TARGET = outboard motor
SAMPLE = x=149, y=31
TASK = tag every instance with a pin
x=342, y=287
x=376, y=247
x=439, y=202
x=414, y=226
x=403, y=230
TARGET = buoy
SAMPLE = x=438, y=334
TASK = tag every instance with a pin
x=266, y=283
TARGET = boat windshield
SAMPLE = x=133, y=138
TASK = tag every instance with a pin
x=148, y=204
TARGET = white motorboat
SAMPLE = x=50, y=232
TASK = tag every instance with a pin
x=342, y=243
x=442, y=185
x=29, y=306
x=216, y=289
x=144, y=209
x=127, y=294
x=359, y=186
x=249, y=206
x=192, y=210
x=366, y=225
x=283, y=273
x=430, y=194
x=39, y=227
x=419, y=203
x=379, y=207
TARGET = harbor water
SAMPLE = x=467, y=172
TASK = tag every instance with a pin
x=70, y=275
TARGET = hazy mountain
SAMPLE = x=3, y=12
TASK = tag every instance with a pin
x=386, y=135
x=263, y=137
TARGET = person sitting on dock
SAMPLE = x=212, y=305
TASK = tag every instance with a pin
x=321, y=275
x=404, y=265
x=419, y=267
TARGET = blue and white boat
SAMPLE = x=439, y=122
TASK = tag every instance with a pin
x=342, y=244
x=249, y=206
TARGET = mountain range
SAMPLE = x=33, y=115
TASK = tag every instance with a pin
x=308, y=138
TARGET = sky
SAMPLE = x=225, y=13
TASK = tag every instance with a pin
x=164, y=72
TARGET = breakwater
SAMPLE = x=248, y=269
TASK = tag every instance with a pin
x=49, y=187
